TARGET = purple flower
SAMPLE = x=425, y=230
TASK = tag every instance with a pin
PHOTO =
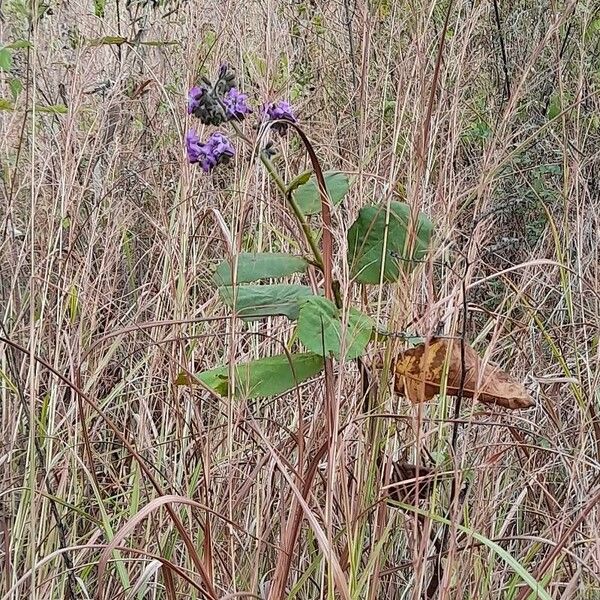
x=220, y=146
x=193, y=146
x=216, y=150
x=236, y=104
x=281, y=110
x=195, y=98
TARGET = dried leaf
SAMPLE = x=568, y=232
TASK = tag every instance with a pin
x=419, y=373
x=404, y=478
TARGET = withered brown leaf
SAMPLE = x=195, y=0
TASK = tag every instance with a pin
x=404, y=478
x=419, y=373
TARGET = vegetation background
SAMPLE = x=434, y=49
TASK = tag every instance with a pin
x=108, y=243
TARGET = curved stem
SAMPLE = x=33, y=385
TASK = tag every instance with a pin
x=308, y=233
x=271, y=169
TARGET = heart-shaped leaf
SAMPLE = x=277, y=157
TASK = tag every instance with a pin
x=265, y=265
x=320, y=329
x=259, y=378
x=382, y=245
x=307, y=195
x=254, y=302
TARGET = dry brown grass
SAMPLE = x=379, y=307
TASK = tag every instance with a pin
x=107, y=295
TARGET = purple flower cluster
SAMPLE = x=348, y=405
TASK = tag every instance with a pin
x=236, y=104
x=221, y=102
x=216, y=150
x=279, y=111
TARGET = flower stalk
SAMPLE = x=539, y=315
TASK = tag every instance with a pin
x=223, y=102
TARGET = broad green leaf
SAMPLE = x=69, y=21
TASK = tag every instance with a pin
x=307, y=195
x=394, y=246
x=253, y=267
x=253, y=302
x=320, y=328
x=216, y=379
x=5, y=59
x=263, y=377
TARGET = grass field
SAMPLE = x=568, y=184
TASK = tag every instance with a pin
x=117, y=483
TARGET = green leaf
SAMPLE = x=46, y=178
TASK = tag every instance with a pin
x=253, y=302
x=298, y=181
x=253, y=267
x=108, y=40
x=6, y=105
x=99, y=8
x=320, y=328
x=54, y=109
x=263, y=377
x=16, y=87
x=374, y=245
x=554, y=107
x=5, y=59
x=307, y=195
x=159, y=43
x=20, y=44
